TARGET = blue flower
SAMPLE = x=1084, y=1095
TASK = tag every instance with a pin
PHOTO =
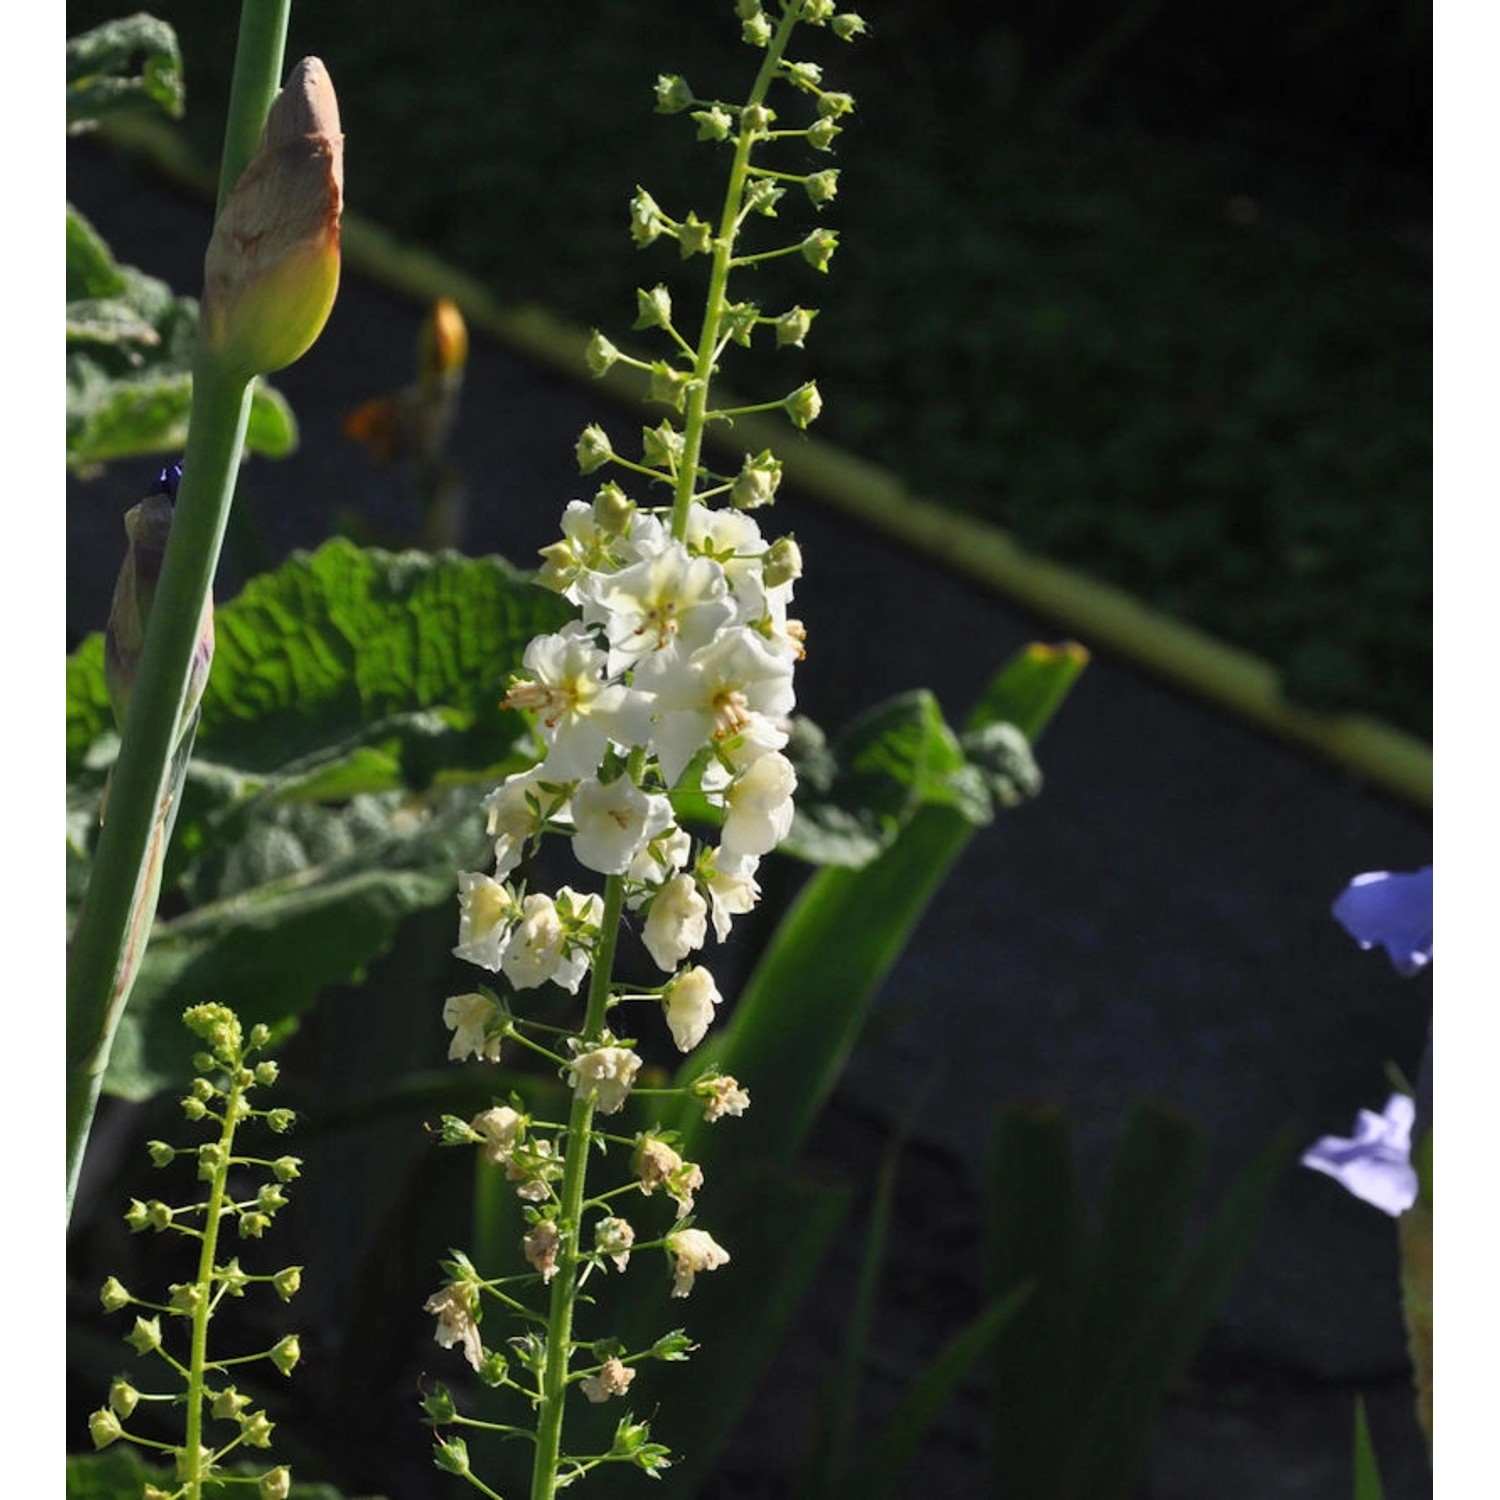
x=1391, y=911
x=1375, y=1165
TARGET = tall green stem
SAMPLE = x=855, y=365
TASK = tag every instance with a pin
x=109, y=939
x=575, y=1171
x=696, y=408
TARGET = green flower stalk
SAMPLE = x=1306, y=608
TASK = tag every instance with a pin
x=219, y=1422
x=672, y=687
x=271, y=274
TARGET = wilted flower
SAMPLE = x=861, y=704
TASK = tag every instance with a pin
x=1375, y=1164
x=693, y=1250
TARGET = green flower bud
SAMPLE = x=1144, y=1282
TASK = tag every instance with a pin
x=288, y=1282
x=287, y=1168
x=232, y=1278
x=272, y=268
x=848, y=26
x=186, y=1298
x=122, y=1396
x=804, y=75
x=228, y=1404
x=104, y=1427
x=646, y=220
x=831, y=105
x=653, y=308
x=260, y=1033
x=136, y=1216
x=193, y=1109
x=792, y=327
x=492, y=1368
x=592, y=449
x=672, y=94
x=267, y=1072
x=161, y=1153
x=714, y=124
x=756, y=30
x=210, y=1159
x=253, y=1226
x=112, y=1295
x=804, y=404
x=756, y=119
x=158, y=1215
x=452, y=1456
x=601, y=354
x=694, y=237
x=817, y=12
x=783, y=563
x=275, y=1484
x=145, y=1336
x=286, y=1354
x=662, y=446
x=270, y=1198
x=747, y=10
x=822, y=187
x=256, y=1430
x=740, y=319
x=281, y=1120
x=820, y=135
x=756, y=483
x=613, y=509
x=762, y=195
x=818, y=248
x=202, y=1088
x=669, y=386
x=439, y=1406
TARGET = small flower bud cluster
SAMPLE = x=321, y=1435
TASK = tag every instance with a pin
x=228, y=1073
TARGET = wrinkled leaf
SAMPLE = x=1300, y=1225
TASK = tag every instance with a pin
x=131, y=63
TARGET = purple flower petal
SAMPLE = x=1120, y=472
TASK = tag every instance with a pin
x=1376, y=1164
x=1393, y=911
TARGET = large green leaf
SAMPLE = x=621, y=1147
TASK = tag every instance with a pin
x=131, y=63
x=129, y=363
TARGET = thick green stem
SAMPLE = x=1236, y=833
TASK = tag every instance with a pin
x=554, y=1388
x=109, y=939
x=695, y=413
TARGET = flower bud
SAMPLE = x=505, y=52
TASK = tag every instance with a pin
x=822, y=187
x=653, y=308
x=756, y=29
x=442, y=342
x=229, y=1403
x=646, y=220
x=286, y=1354
x=669, y=386
x=267, y=1072
x=287, y=1168
x=161, y=1153
x=275, y=1484
x=451, y=1455
x=256, y=1430
x=113, y=1296
x=234, y=1279
x=804, y=404
x=848, y=26
x=783, y=563
x=601, y=354
x=756, y=483
x=832, y=105
x=288, y=1282
x=122, y=1396
x=818, y=248
x=104, y=1427
x=281, y=1120
x=792, y=327
x=762, y=195
x=272, y=268
x=694, y=236
x=613, y=509
x=145, y=1336
x=820, y=135
x=592, y=449
x=662, y=446
x=713, y=124
x=672, y=94
x=756, y=119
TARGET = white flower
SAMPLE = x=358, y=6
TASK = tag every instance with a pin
x=485, y=911
x=735, y=686
x=732, y=888
x=660, y=859
x=758, y=805
x=578, y=712
x=469, y=1018
x=613, y=1379
x=689, y=1001
x=454, y=1305
x=694, y=1250
x=676, y=923
x=606, y=1073
x=516, y=810
x=669, y=601
x=501, y=1128
x=615, y=822
x=552, y=940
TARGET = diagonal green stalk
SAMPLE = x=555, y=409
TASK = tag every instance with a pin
x=108, y=941
x=554, y=1387
x=695, y=418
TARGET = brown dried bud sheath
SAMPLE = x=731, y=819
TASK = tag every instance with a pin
x=272, y=268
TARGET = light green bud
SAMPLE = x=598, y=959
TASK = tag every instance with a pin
x=662, y=446
x=714, y=124
x=792, y=327
x=783, y=563
x=202, y=1088
x=272, y=268
x=646, y=220
x=592, y=449
x=669, y=386
x=275, y=1484
x=831, y=105
x=193, y=1109
x=747, y=10
x=601, y=354
x=270, y=1198
x=252, y=1226
x=210, y=1159
x=613, y=509
x=762, y=195
x=817, y=12
x=804, y=404
x=112, y=1295
x=822, y=187
x=492, y=1368
x=287, y=1168
x=256, y=1430
x=818, y=248
x=186, y=1298
x=233, y=1278
x=286, y=1354
x=756, y=119
x=451, y=1456
x=158, y=1215
x=161, y=1153
x=260, y=1034
x=740, y=319
x=438, y=1406
x=694, y=236
x=672, y=94
x=267, y=1072
x=145, y=1336
x=104, y=1428
x=756, y=30
x=820, y=135
x=756, y=483
x=122, y=1396
x=848, y=26
x=228, y=1404
x=288, y=1282
x=281, y=1120
x=804, y=75
x=653, y=308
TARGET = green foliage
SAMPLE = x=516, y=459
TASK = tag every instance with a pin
x=127, y=64
x=1116, y=1311
x=1367, y=1485
x=353, y=703
x=129, y=363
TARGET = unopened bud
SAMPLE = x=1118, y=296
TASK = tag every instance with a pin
x=443, y=342
x=272, y=268
x=792, y=327
x=653, y=308
x=592, y=449
x=601, y=354
x=113, y=1296
x=275, y=1484
x=286, y=1354
x=818, y=248
x=104, y=1427
x=672, y=94
x=783, y=563
x=122, y=1396
x=804, y=404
